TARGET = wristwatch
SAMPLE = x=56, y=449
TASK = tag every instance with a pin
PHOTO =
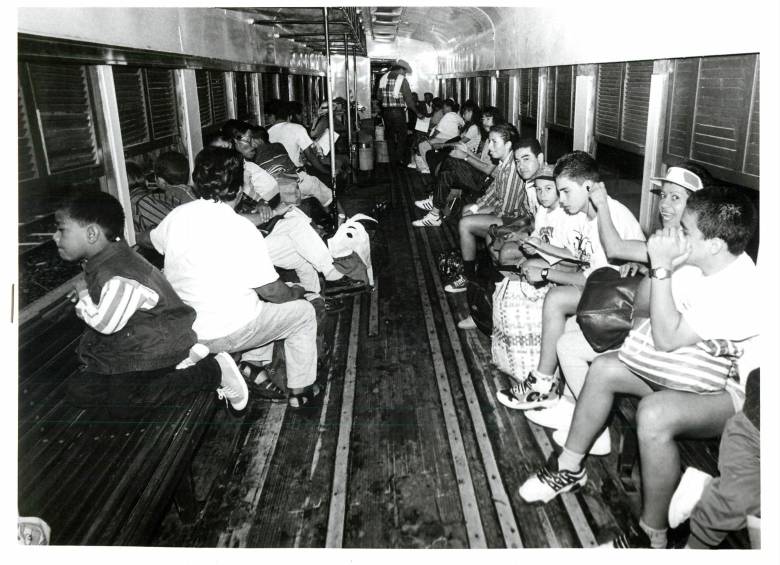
x=660, y=273
x=544, y=273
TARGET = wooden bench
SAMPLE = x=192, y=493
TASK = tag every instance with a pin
x=96, y=483
x=701, y=454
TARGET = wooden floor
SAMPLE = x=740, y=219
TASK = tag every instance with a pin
x=410, y=448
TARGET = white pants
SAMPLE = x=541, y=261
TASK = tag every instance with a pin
x=294, y=322
x=311, y=186
x=293, y=244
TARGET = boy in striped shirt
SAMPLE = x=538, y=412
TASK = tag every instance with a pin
x=138, y=349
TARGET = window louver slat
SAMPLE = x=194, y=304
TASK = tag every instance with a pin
x=218, y=96
x=683, y=99
x=128, y=84
x=65, y=114
x=564, y=96
x=533, y=103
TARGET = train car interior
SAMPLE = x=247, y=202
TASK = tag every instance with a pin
x=410, y=344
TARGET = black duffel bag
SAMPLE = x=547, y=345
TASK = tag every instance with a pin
x=605, y=312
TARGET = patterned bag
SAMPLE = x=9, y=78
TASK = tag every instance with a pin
x=450, y=264
x=702, y=368
x=517, y=326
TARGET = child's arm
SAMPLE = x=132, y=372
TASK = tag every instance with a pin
x=119, y=299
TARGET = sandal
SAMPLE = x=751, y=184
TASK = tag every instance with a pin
x=305, y=398
x=266, y=389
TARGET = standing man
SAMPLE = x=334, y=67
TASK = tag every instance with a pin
x=396, y=98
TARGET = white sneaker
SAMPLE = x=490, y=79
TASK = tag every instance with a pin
x=460, y=284
x=430, y=220
x=602, y=445
x=467, y=323
x=556, y=416
x=425, y=204
x=548, y=483
x=411, y=165
x=688, y=493
x=233, y=386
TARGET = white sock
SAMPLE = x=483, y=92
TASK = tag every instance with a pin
x=657, y=537
x=570, y=460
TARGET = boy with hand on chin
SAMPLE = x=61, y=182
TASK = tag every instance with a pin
x=138, y=348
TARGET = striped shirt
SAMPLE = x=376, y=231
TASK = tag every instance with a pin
x=508, y=193
x=120, y=298
x=149, y=208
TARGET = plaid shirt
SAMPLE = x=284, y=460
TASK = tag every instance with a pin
x=509, y=193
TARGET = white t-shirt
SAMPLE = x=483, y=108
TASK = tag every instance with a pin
x=258, y=183
x=449, y=126
x=588, y=243
x=294, y=138
x=722, y=306
x=474, y=138
x=558, y=228
x=214, y=259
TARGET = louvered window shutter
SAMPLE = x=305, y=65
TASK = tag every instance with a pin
x=533, y=102
x=525, y=93
x=752, y=150
x=28, y=168
x=268, y=88
x=129, y=87
x=218, y=96
x=552, y=80
x=62, y=99
x=636, y=101
x=683, y=100
x=608, y=98
x=564, y=96
x=722, y=104
x=284, y=88
x=502, y=96
x=204, y=97
x=714, y=114
x=162, y=102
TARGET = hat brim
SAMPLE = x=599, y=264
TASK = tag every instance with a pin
x=660, y=180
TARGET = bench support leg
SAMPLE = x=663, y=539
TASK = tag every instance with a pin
x=627, y=459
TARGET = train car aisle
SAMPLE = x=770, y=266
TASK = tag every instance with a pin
x=409, y=449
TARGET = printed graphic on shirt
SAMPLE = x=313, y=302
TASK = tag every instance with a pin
x=583, y=246
x=546, y=233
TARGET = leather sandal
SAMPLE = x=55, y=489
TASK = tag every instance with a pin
x=306, y=398
x=265, y=389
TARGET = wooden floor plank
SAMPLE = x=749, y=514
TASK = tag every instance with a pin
x=373, y=318
x=338, y=497
x=500, y=498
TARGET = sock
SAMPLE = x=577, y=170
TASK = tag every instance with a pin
x=570, y=461
x=657, y=537
x=333, y=274
x=469, y=268
x=540, y=382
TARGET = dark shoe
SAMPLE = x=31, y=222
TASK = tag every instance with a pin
x=307, y=398
x=344, y=285
x=266, y=389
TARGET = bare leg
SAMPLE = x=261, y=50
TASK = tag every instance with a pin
x=560, y=302
x=473, y=227
x=607, y=376
x=662, y=417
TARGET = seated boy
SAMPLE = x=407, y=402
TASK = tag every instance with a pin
x=148, y=207
x=224, y=271
x=694, y=271
x=138, y=330
x=173, y=173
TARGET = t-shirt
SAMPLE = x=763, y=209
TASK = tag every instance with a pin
x=558, y=228
x=273, y=158
x=294, y=138
x=588, y=243
x=474, y=138
x=206, y=247
x=721, y=306
x=258, y=183
x=449, y=126
x=150, y=207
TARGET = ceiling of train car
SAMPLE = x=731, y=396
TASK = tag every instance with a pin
x=438, y=25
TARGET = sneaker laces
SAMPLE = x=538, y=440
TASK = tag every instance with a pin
x=227, y=393
x=557, y=480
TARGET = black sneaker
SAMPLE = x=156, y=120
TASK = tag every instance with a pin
x=636, y=538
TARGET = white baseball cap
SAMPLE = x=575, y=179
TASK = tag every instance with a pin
x=681, y=177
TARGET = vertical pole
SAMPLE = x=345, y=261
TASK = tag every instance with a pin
x=355, y=90
x=584, y=121
x=330, y=104
x=349, y=102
